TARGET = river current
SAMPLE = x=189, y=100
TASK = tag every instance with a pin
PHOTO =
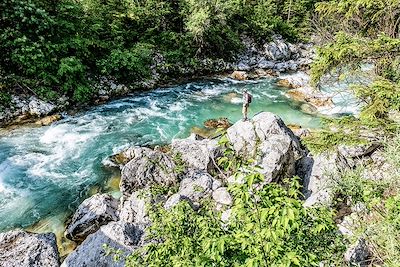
x=45, y=172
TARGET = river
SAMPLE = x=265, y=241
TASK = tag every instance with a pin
x=45, y=172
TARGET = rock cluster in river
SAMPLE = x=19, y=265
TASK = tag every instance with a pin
x=187, y=170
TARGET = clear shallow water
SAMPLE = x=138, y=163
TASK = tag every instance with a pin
x=45, y=172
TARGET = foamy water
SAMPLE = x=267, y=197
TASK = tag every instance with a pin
x=46, y=172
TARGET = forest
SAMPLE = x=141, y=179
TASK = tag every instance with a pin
x=58, y=48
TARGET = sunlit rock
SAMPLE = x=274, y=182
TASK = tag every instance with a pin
x=90, y=215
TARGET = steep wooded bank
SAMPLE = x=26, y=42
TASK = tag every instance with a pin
x=58, y=51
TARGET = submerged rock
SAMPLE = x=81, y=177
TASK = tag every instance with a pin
x=117, y=236
x=218, y=123
x=22, y=249
x=267, y=139
x=147, y=168
x=48, y=120
x=297, y=80
x=311, y=96
x=90, y=215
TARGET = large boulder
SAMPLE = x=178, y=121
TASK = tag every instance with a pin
x=90, y=215
x=317, y=173
x=22, y=249
x=267, y=139
x=148, y=168
x=196, y=186
x=116, y=236
x=197, y=154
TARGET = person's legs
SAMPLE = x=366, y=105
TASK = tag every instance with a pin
x=244, y=112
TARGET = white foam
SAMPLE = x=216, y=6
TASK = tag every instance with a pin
x=236, y=100
x=177, y=106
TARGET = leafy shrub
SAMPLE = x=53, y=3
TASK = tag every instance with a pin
x=267, y=227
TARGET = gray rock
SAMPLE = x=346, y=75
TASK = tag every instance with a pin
x=267, y=139
x=94, y=212
x=150, y=167
x=133, y=209
x=175, y=199
x=358, y=254
x=282, y=66
x=197, y=154
x=120, y=159
x=196, y=186
x=277, y=49
x=318, y=174
x=39, y=108
x=357, y=154
x=222, y=196
x=226, y=215
x=121, y=236
x=243, y=66
x=216, y=184
x=22, y=249
x=265, y=64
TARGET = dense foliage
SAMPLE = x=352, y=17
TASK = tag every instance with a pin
x=52, y=48
x=268, y=226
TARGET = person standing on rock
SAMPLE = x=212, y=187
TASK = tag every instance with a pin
x=247, y=98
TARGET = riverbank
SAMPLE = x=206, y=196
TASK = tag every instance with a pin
x=256, y=61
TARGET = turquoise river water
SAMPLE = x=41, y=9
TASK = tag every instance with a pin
x=45, y=172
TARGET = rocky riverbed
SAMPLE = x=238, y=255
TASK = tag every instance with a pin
x=187, y=170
